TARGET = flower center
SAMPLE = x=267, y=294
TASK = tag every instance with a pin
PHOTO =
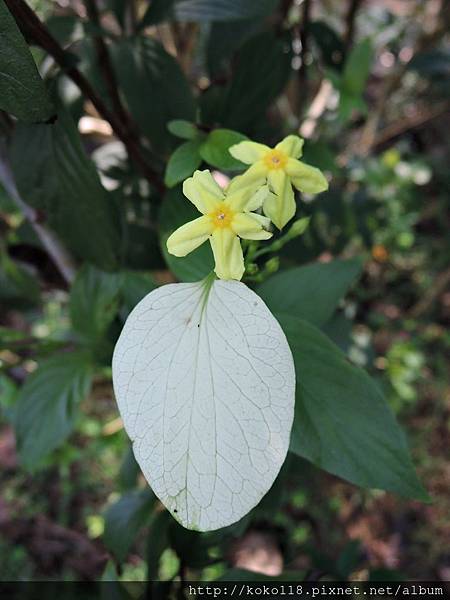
x=275, y=159
x=222, y=216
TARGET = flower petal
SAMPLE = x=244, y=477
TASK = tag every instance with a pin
x=280, y=207
x=305, y=178
x=228, y=255
x=248, y=198
x=189, y=236
x=265, y=221
x=248, y=227
x=255, y=176
x=248, y=152
x=203, y=191
x=292, y=145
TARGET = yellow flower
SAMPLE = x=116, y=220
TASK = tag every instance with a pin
x=280, y=167
x=226, y=218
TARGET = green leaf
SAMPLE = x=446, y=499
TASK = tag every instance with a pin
x=176, y=210
x=183, y=163
x=129, y=472
x=215, y=149
x=17, y=284
x=94, y=301
x=311, y=292
x=329, y=43
x=224, y=38
x=46, y=408
x=22, y=91
x=154, y=86
x=158, y=541
x=118, y=7
x=183, y=129
x=64, y=28
x=8, y=395
x=54, y=175
x=124, y=520
x=342, y=423
x=134, y=287
x=263, y=68
x=222, y=10
x=357, y=68
x=158, y=11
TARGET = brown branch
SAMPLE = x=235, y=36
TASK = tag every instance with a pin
x=404, y=125
x=104, y=63
x=426, y=40
x=55, y=250
x=350, y=23
x=34, y=30
x=433, y=292
x=303, y=71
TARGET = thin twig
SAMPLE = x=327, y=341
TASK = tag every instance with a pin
x=104, y=63
x=426, y=40
x=56, y=251
x=350, y=19
x=433, y=292
x=303, y=70
x=400, y=127
x=34, y=30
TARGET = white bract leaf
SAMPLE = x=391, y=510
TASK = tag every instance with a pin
x=205, y=383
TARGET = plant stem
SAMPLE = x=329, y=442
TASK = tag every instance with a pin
x=104, y=63
x=56, y=251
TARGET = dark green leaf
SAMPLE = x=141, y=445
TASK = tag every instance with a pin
x=47, y=404
x=215, y=149
x=154, y=87
x=311, y=292
x=142, y=252
x=94, y=301
x=183, y=163
x=63, y=28
x=158, y=541
x=54, y=175
x=134, y=287
x=22, y=91
x=222, y=10
x=129, y=471
x=191, y=546
x=224, y=39
x=118, y=8
x=357, y=68
x=321, y=155
x=17, y=284
x=183, y=129
x=263, y=67
x=342, y=423
x=158, y=10
x=175, y=211
x=124, y=519
x=330, y=44
x=8, y=395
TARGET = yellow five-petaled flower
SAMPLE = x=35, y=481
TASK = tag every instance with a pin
x=226, y=218
x=280, y=168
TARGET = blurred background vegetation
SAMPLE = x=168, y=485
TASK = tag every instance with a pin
x=366, y=83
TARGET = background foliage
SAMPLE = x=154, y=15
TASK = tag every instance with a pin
x=104, y=109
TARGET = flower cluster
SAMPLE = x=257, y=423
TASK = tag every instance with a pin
x=229, y=214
